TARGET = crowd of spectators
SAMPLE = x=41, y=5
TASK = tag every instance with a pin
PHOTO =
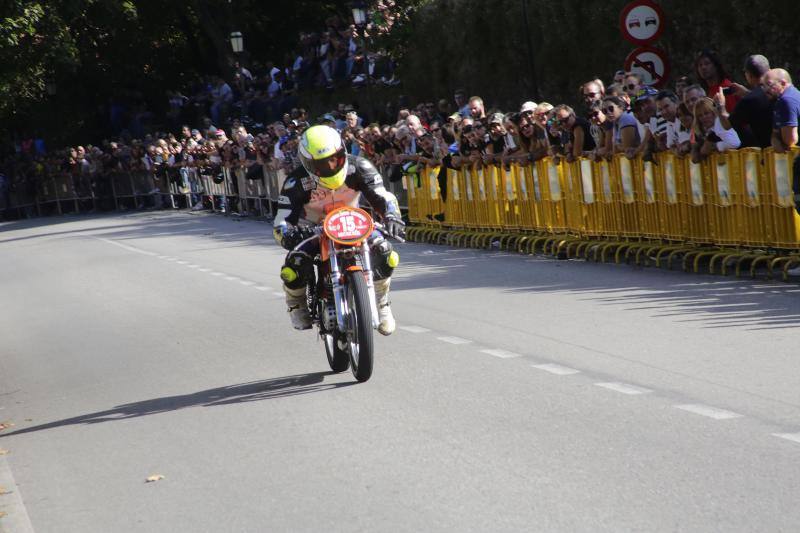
x=701, y=115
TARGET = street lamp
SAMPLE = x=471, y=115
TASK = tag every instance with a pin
x=359, y=13
x=360, y=21
x=237, y=42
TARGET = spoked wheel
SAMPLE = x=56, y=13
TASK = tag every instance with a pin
x=336, y=349
x=359, y=326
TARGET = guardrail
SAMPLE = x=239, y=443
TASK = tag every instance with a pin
x=731, y=210
x=224, y=190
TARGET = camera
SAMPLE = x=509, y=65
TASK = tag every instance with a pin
x=727, y=91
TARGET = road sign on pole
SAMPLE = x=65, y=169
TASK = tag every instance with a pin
x=650, y=63
x=641, y=22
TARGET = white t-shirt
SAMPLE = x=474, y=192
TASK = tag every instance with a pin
x=730, y=139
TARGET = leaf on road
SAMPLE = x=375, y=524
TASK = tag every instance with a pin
x=3, y=452
x=4, y=425
x=154, y=477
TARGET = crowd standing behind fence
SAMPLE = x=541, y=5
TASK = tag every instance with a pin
x=239, y=170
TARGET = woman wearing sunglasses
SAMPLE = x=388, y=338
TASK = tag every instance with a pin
x=625, y=127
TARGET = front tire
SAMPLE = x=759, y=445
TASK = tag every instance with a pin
x=338, y=358
x=359, y=335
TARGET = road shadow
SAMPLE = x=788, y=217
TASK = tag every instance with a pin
x=708, y=301
x=253, y=391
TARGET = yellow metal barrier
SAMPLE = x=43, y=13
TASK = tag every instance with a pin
x=732, y=208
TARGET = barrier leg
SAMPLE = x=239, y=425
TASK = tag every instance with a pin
x=792, y=260
x=699, y=257
x=624, y=247
x=672, y=251
x=756, y=261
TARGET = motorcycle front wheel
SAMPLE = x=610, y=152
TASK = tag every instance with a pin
x=338, y=357
x=359, y=334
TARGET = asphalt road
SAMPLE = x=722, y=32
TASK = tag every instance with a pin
x=520, y=393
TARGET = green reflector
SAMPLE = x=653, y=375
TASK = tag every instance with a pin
x=394, y=259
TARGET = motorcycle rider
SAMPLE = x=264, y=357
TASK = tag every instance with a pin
x=328, y=176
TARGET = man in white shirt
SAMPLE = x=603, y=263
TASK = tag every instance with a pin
x=667, y=104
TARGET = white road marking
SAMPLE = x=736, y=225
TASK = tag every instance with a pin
x=414, y=329
x=193, y=266
x=247, y=283
x=794, y=437
x=162, y=256
x=276, y=293
x=17, y=518
x=454, y=340
x=707, y=410
x=172, y=259
x=558, y=370
x=230, y=278
x=502, y=354
x=624, y=388
x=204, y=270
x=262, y=288
x=126, y=247
x=182, y=262
x=217, y=274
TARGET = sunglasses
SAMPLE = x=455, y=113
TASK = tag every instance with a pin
x=594, y=114
x=590, y=95
x=467, y=129
x=609, y=109
x=631, y=86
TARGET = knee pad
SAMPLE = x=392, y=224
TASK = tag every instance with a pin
x=384, y=259
x=298, y=270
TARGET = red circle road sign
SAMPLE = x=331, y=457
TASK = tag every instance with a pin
x=641, y=22
x=650, y=63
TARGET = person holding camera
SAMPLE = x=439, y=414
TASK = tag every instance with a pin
x=713, y=131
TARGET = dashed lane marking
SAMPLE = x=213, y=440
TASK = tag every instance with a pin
x=182, y=262
x=204, y=270
x=262, y=288
x=558, y=370
x=454, y=340
x=247, y=283
x=414, y=329
x=231, y=278
x=708, y=411
x=126, y=247
x=502, y=354
x=794, y=437
x=193, y=266
x=624, y=388
x=217, y=274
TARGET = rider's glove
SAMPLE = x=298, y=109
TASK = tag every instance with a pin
x=394, y=226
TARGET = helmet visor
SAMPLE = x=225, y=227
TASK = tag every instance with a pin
x=328, y=166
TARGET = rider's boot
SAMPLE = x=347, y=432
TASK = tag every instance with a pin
x=386, y=324
x=298, y=307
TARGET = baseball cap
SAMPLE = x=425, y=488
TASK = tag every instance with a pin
x=195, y=132
x=496, y=118
x=528, y=107
x=644, y=93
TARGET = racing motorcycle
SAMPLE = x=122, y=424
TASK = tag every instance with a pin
x=341, y=300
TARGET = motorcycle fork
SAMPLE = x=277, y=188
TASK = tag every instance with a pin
x=338, y=286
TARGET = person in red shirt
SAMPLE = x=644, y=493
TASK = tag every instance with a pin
x=712, y=76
